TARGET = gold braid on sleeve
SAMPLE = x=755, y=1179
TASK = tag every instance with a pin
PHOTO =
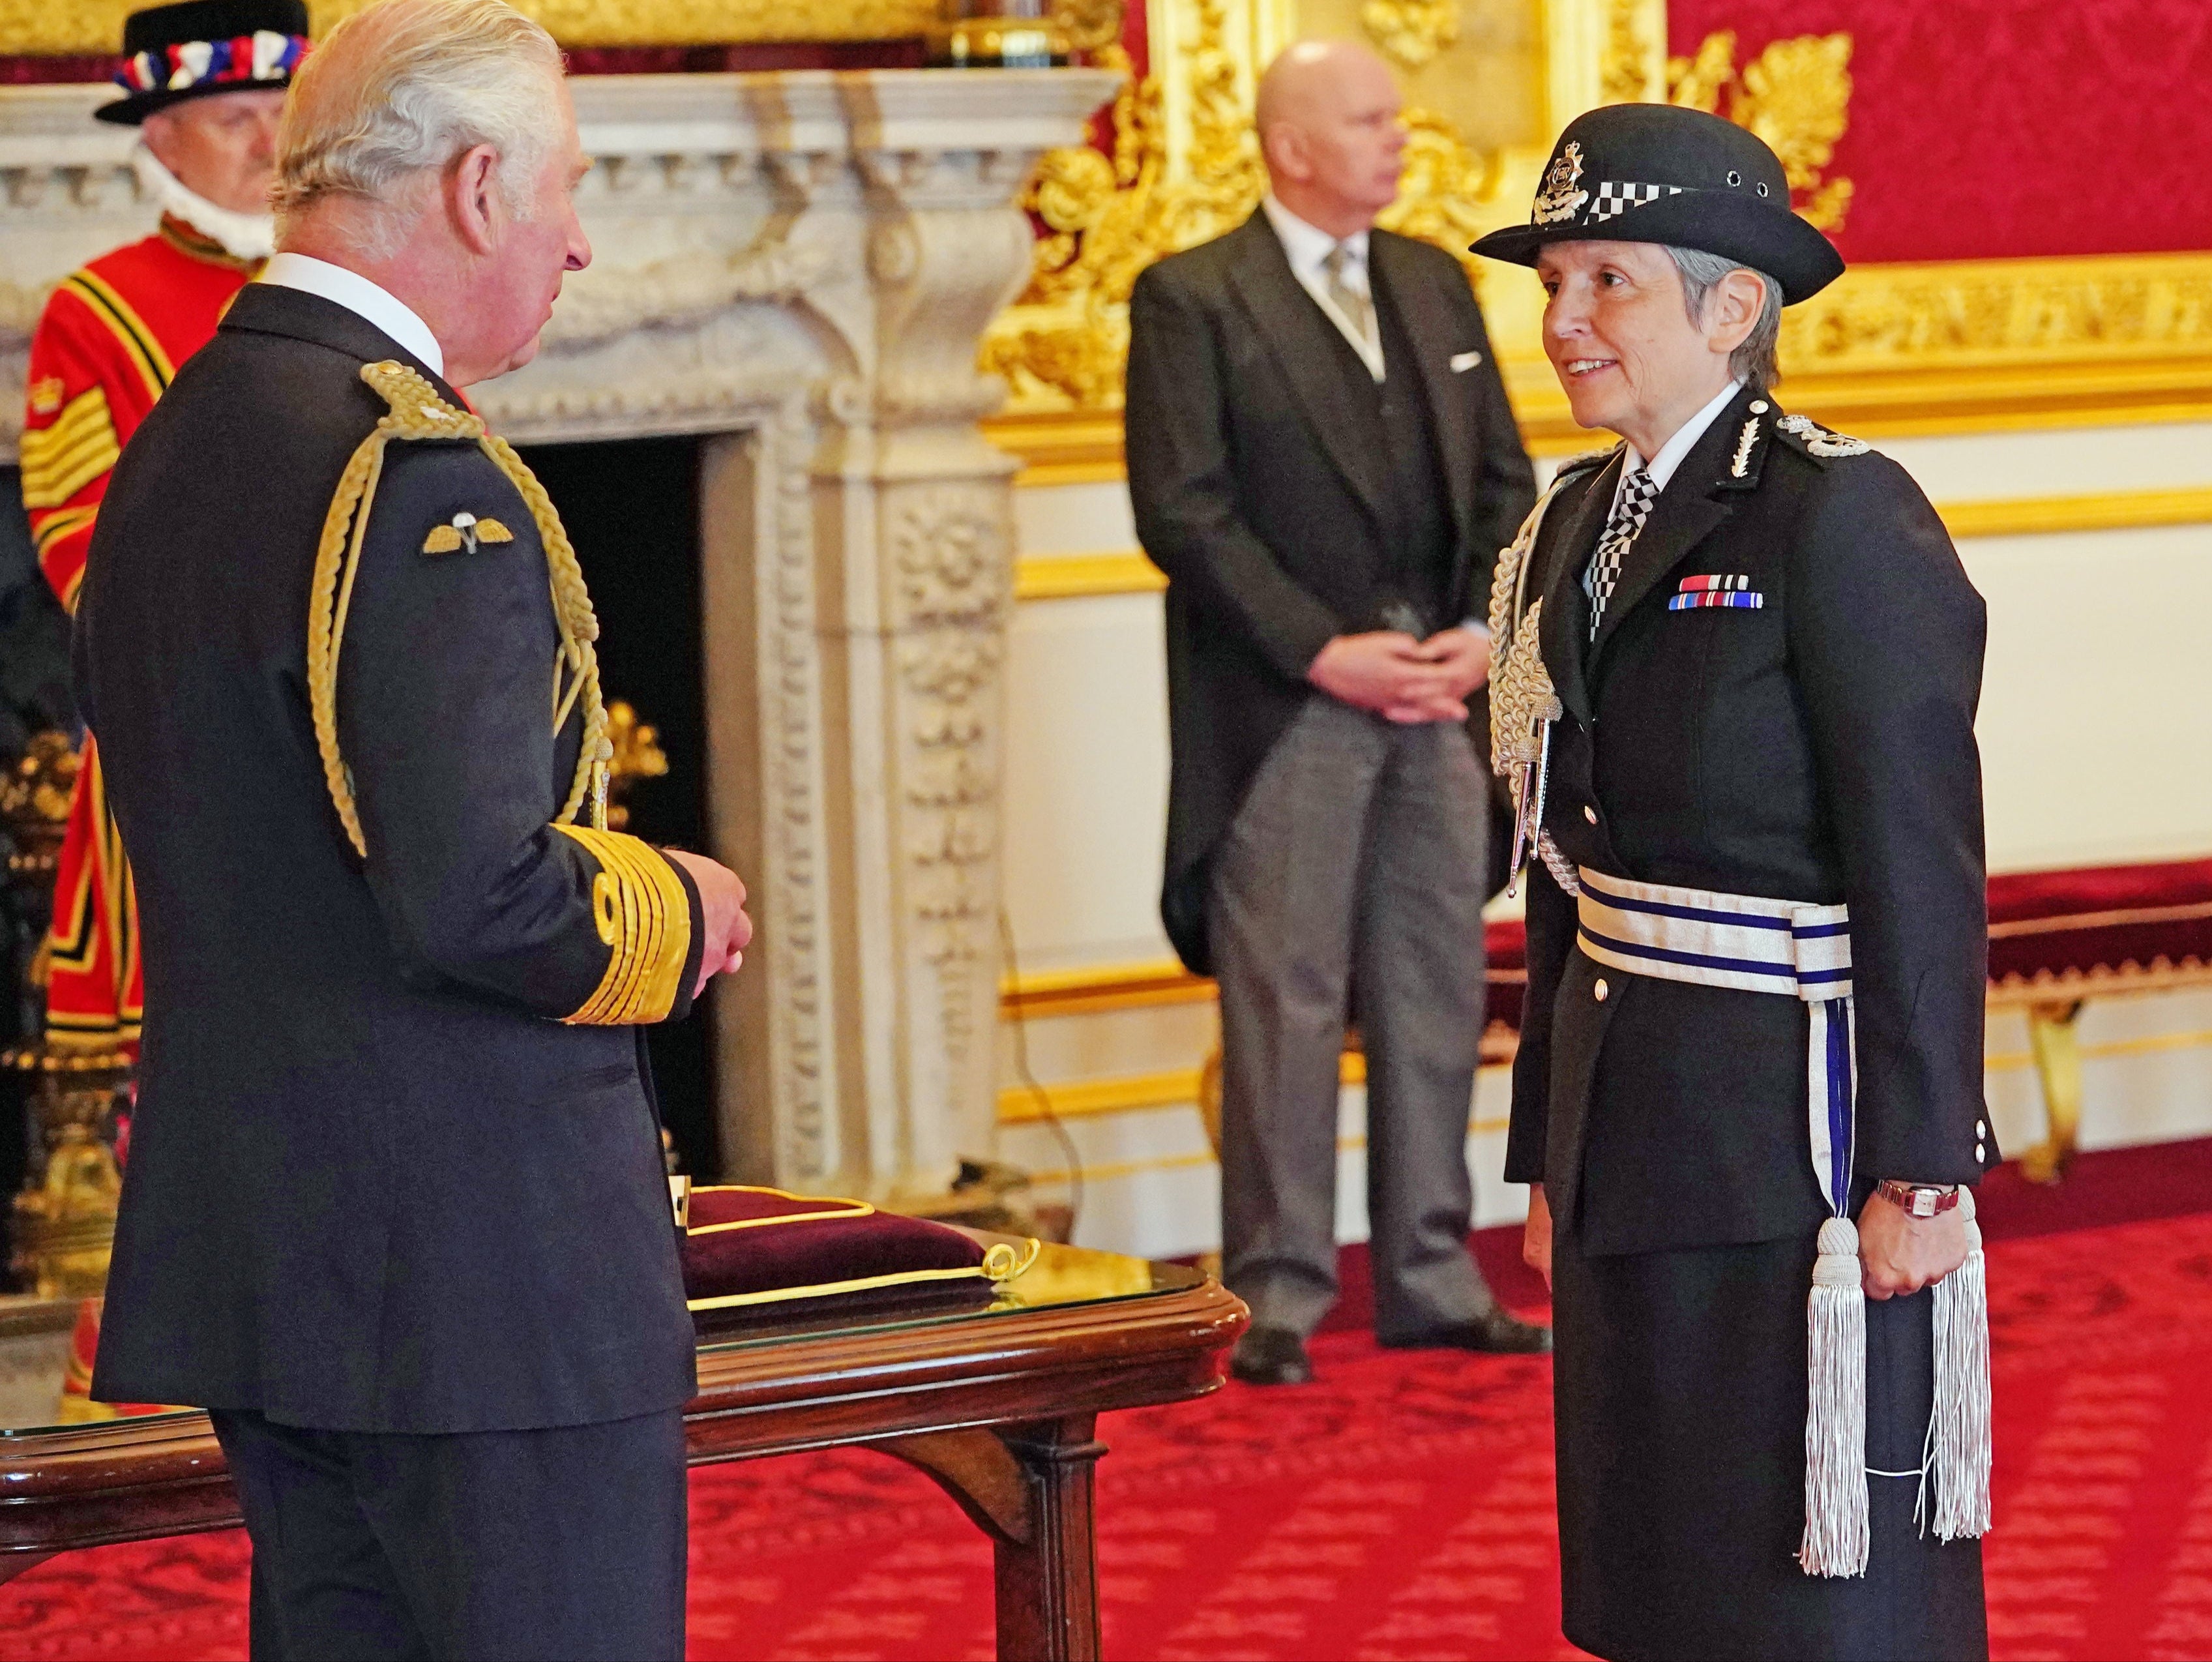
x=417, y=412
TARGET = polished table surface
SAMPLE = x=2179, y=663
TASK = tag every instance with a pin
x=998, y=1403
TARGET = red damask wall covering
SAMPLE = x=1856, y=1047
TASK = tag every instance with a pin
x=1986, y=128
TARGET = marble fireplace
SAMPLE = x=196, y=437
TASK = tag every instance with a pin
x=795, y=268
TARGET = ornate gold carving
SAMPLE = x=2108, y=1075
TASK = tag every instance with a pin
x=637, y=755
x=96, y=26
x=1621, y=75
x=1063, y=344
x=1795, y=94
x=2007, y=311
x=1411, y=33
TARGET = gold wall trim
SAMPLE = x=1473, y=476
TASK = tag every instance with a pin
x=53, y=27
x=1130, y=1094
x=1098, y=987
x=2122, y=511
x=1075, y=576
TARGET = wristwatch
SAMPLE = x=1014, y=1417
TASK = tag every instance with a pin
x=1919, y=1200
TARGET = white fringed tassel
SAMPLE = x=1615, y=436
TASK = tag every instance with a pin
x=1835, y=1418
x=1962, y=1391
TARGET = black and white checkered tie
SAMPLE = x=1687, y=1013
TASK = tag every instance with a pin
x=1630, y=510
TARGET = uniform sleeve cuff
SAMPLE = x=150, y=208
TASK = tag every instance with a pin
x=689, y=978
x=646, y=914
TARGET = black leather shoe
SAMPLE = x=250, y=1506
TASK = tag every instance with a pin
x=1499, y=1333
x=1271, y=1356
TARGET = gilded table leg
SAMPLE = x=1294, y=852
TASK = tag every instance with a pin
x=2052, y=1035
x=1029, y=1488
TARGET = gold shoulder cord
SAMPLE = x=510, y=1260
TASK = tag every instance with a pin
x=417, y=412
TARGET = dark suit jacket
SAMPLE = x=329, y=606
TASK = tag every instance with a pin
x=1256, y=491
x=374, y=1185
x=1818, y=749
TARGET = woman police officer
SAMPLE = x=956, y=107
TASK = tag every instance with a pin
x=1738, y=664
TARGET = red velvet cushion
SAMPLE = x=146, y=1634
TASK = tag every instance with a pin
x=2057, y=924
x=746, y=1246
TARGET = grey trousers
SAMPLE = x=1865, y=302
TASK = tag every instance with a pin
x=1351, y=886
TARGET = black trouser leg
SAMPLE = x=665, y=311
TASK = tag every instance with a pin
x=323, y=1588
x=567, y=1542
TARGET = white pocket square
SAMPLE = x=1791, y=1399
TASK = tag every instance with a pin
x=1463, y=361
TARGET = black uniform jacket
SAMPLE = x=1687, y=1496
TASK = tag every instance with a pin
x=376, y=1182
x=1258, y=490
x=1819, y=749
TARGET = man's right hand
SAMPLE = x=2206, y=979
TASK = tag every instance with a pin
x=722, y=913
x=1389, y=672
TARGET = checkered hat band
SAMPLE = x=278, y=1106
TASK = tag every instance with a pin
x=1615, y=197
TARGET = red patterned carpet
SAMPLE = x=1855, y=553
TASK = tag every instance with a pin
x=1400, y=1508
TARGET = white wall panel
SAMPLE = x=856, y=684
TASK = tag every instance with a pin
x=1086, y=778
x=2096, y=720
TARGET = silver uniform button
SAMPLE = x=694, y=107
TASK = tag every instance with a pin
x=1981, y=1154
x=1981, y=1127
x=1590, y=813
x=1599, y=991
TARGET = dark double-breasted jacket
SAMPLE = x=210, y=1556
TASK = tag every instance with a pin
x=1816, y=746
x=394, y=1167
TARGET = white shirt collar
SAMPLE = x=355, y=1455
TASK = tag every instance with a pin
x=1307, y=246
x=364, y=299
x=1662, y=467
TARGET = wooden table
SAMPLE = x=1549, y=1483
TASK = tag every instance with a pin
x=998, y=1404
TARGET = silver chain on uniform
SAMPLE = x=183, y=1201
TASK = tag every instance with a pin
x=1630, y=510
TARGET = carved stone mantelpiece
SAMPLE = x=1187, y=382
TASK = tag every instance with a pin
x=798, y=266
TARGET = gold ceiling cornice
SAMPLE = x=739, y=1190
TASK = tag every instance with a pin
x=56, y=27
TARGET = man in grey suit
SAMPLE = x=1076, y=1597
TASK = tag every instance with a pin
x=1324, y=462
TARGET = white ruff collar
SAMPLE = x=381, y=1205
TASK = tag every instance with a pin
x=243, y=236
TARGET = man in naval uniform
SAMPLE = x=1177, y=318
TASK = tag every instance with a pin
x=395, y=1212
x=1738, y=662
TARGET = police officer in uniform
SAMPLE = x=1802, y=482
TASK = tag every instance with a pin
x=1738, y=664
x=395, y=1213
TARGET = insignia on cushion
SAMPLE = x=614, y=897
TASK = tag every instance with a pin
x=1819, y=440
x=465, y=532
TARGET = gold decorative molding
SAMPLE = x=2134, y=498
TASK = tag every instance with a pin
x=43, y=27
x=1795, y=94
x=1411, y=33
x=1099, y=987
x=2120, y=510
x=1078, y=576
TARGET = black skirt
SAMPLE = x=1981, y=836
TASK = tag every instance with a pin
x=1681, y=1414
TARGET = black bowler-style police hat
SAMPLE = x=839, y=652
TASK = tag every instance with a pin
x=1654, y=172
x=202, y=47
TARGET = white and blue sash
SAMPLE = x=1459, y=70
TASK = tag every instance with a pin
x=1753, y=944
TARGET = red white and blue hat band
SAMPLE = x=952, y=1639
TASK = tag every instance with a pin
x=263, y=57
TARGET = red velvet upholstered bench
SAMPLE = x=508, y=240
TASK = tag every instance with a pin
x=2056, y=938
x=2059, y=937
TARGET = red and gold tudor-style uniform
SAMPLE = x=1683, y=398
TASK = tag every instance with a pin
x=106, y=347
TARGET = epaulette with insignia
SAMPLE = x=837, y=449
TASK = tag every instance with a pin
x=1819, y=440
